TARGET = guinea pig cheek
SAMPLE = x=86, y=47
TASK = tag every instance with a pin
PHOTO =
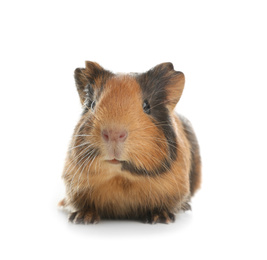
x=148, y=147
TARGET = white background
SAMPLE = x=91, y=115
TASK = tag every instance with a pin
x=221, y=48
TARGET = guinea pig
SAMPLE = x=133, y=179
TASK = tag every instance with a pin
x=131, y=156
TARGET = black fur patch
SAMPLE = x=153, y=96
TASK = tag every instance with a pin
x=89, y=98
x=97, y=72
x=86, y=82
x=128, y=166
x=153, y=84
x=190, y=134
x=92, y=94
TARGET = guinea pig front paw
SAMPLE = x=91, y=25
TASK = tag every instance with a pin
x=160, y=217
x=84, y=217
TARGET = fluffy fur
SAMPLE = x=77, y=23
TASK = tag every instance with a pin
x=158, y=166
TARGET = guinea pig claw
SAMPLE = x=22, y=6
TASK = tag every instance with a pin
x=72, y=216
x=84, y=217
x=155, y=219
x=186, y=206
x=161, y=217
x=172, y=217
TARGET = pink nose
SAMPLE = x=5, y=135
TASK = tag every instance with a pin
x=114, y=135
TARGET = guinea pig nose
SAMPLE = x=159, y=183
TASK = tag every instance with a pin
x=114, y=135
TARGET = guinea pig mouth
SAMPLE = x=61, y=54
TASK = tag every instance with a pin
x=114, y=161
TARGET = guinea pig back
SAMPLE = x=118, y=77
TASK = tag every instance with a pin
x=131, y=156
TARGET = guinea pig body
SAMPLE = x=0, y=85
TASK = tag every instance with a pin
x=131, y=155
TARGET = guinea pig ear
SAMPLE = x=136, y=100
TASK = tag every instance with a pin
x=173, y=82
x=81, y=82
x=93, y=74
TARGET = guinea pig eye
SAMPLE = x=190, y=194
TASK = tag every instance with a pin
x=146, y=107
x=93, y=105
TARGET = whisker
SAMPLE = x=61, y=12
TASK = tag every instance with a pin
x=87, y=175
x=78, y=169
x=82, y=152
x=152, y=126
x=84, y=135
x=77, y=146
x=81, y=155
x=84, y=167
x=164, y=141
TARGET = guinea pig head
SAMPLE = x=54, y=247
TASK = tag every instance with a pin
x=126, y=119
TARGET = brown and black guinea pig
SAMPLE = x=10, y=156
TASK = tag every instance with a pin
x=131, y=156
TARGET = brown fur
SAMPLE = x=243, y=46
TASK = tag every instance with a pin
x=97, y=189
